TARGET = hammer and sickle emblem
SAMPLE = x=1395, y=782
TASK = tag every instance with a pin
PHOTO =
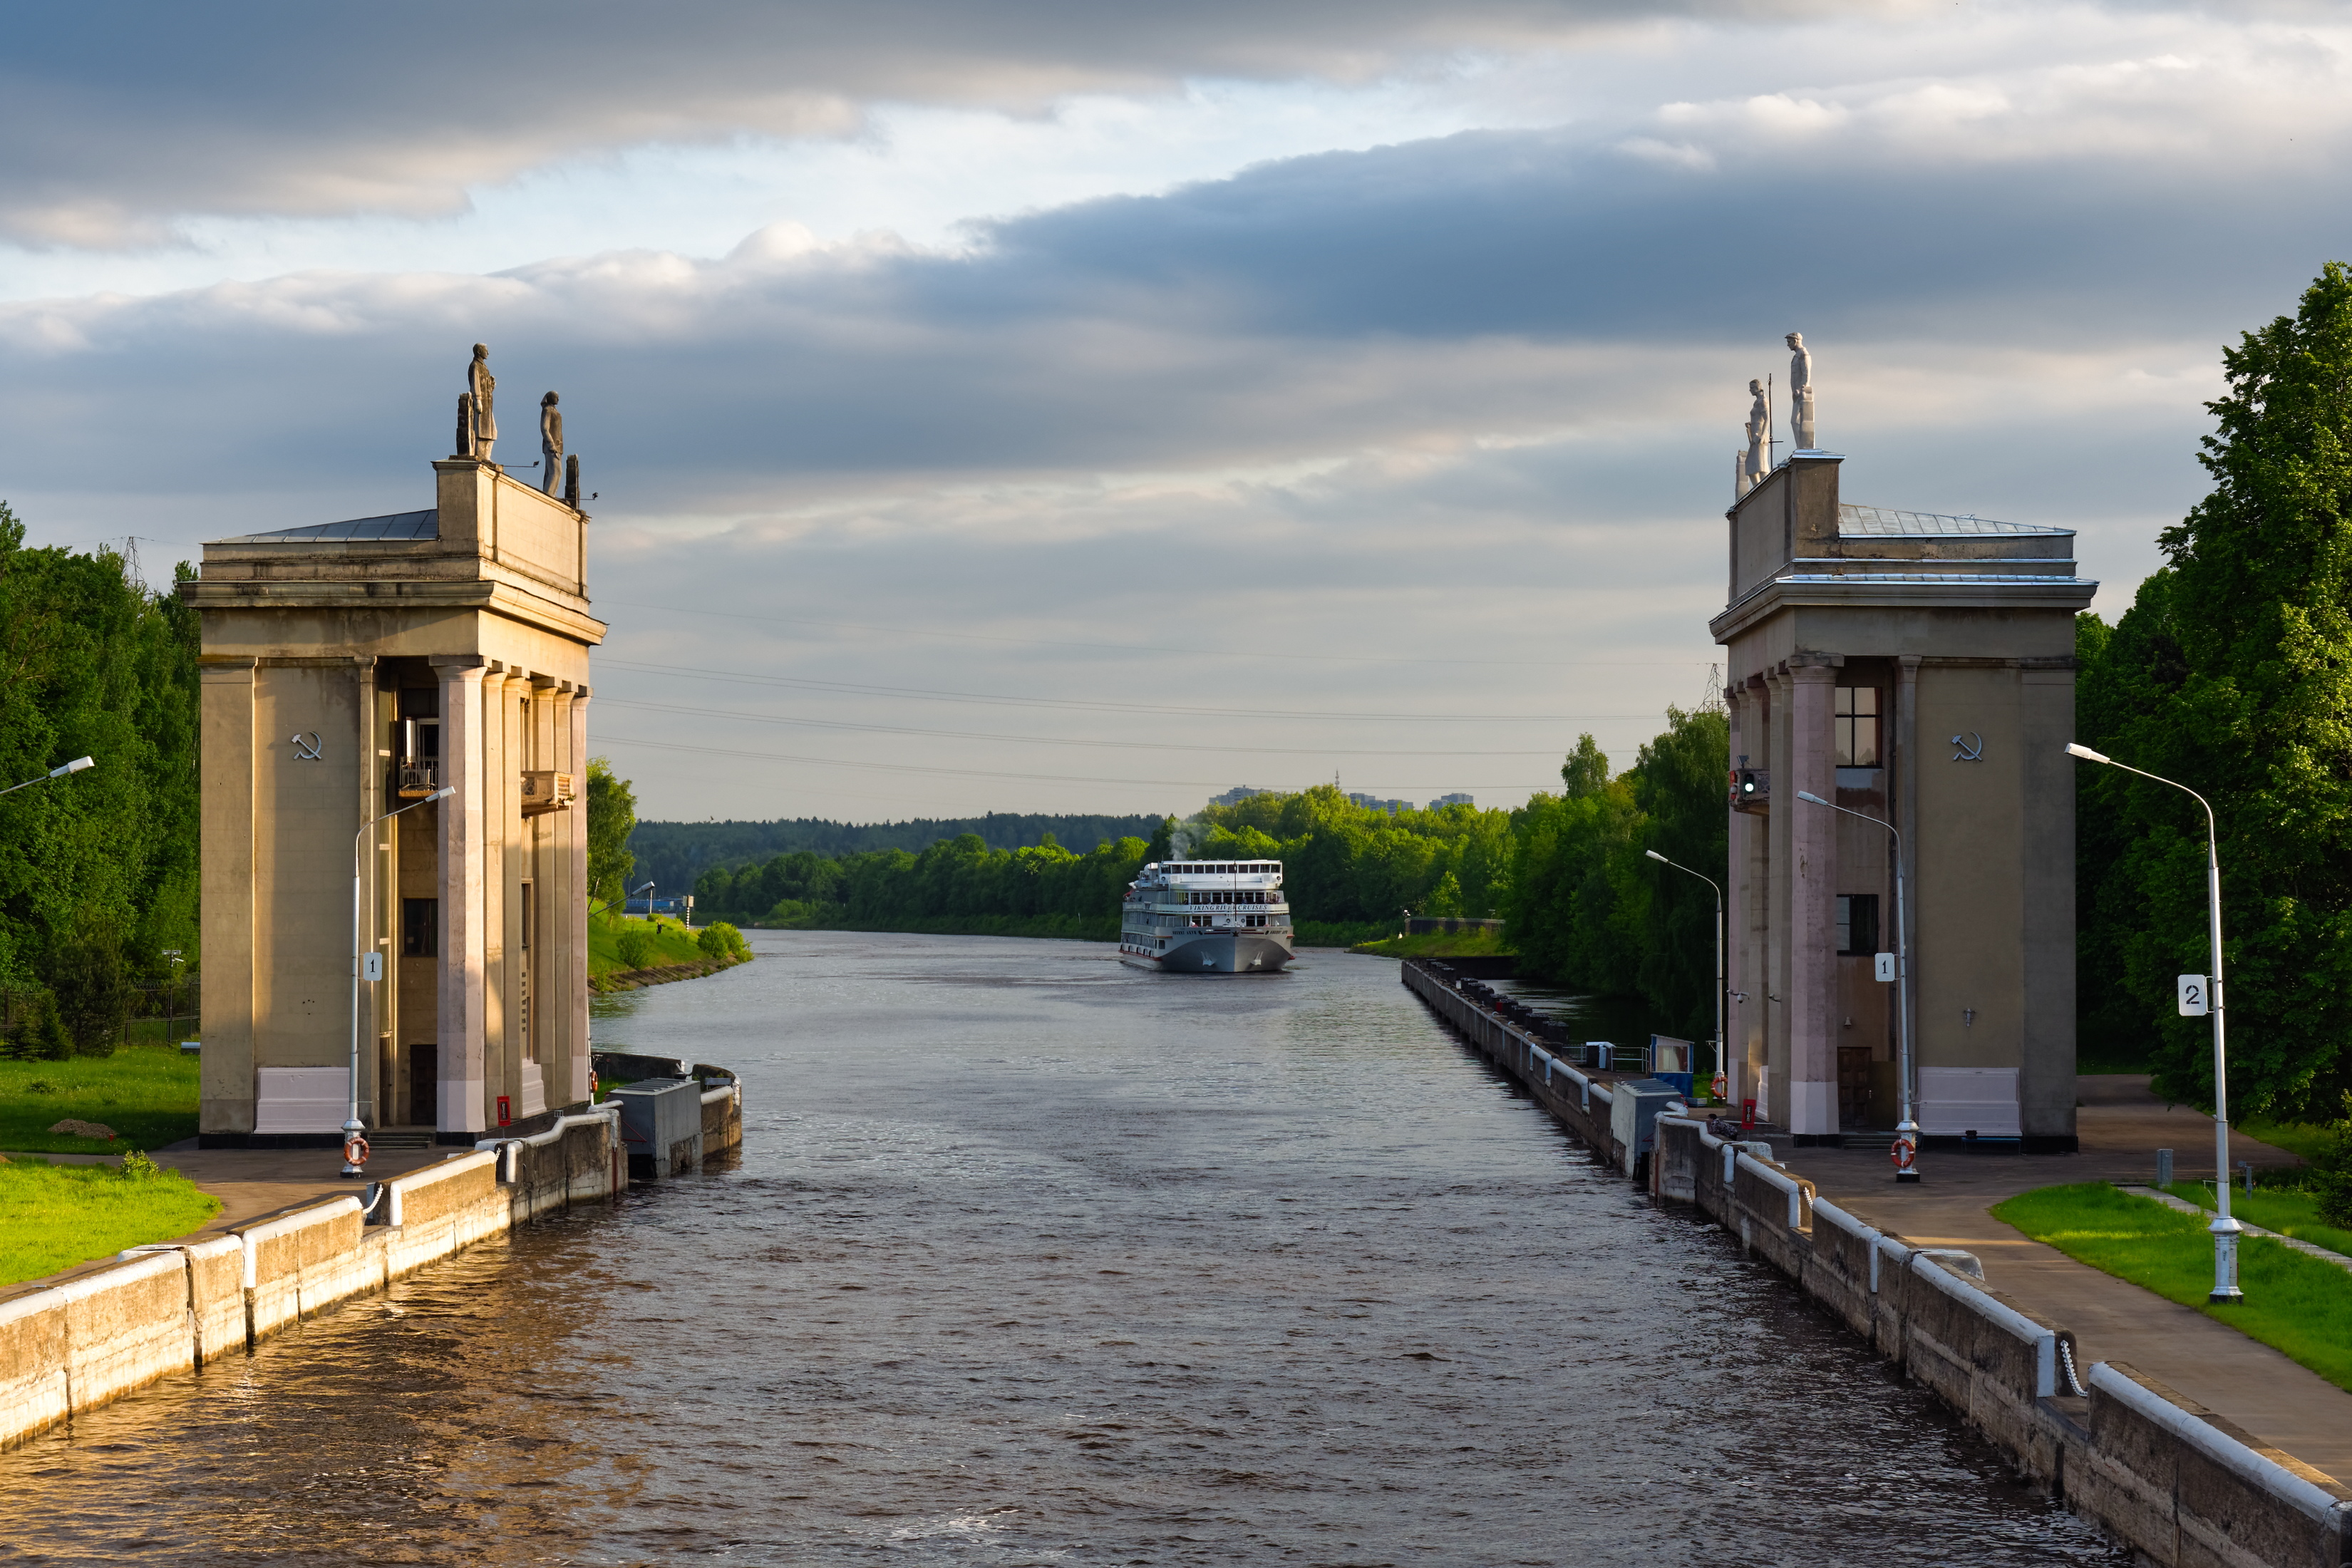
x=1967, y=749
x=305, y=746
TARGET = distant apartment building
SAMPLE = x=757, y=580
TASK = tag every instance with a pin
x=1917, y=670
x=1373, y=802
x=351, y=669
x=1236, y=794
x=1450, y=800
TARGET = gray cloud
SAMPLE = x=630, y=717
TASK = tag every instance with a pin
x=120, y=119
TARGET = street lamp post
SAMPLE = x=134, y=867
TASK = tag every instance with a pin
x=353, y=1126
x=2225, y=1230
x=56, y=773
x=1906, y=1131
x=1711, y=882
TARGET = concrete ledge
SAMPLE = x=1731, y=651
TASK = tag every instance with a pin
x=2157, y=1473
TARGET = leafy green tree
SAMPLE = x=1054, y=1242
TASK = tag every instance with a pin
x=612, y=813
x=1680, y=779
x=2233, y=674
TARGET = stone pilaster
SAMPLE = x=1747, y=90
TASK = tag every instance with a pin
x=1812, y=892
x=1772, y=1088
x=226, y=881
x=575, y=901
x=464, y=1064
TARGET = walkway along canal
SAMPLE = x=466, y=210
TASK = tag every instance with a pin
x=2158, y=1473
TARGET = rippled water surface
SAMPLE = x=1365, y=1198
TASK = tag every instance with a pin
x=1030, y=1258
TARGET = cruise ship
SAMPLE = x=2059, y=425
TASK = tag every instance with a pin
x=1206, y=917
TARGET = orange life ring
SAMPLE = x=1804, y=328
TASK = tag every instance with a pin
x=1906, y=1153
x=355, y=1150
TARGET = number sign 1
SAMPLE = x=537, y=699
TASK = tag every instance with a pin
x=1886, y=968
x=2192, y=995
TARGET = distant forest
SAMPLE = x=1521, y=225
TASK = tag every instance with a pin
x=674, y=855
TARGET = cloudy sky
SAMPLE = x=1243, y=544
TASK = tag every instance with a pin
x=1025, y=405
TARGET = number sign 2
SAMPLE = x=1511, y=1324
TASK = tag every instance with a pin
x=2192, y=995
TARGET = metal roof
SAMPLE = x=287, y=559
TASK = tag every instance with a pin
x=392, y=526
x=1869, y=519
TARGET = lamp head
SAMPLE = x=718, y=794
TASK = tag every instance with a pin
x=2085, y=753
x=73, y=767
x=444, y=793
x=1809, y=794
x=1655, y=855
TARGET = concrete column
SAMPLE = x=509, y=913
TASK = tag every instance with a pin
x=552, y=855
x=1772, y=1089
x=1813, y=910
x=500, y=691
x=1753, y=915
x=464, y=1066
x=371, y=782
x=575, y=900
x=1738, y=883
x=226, y=881
x=1904, y=802
x=2046, y=1083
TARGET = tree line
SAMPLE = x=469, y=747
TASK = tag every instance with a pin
x=673, y=854
x=2231, y=672
x=97, y=869
x=1568, y=874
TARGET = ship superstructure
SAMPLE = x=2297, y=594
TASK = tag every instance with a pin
x=1207, y=917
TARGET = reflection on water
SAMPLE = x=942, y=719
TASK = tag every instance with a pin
x=1030, y=1258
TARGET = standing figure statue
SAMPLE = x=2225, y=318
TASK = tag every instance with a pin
x=1759, y=435
x=1801, y=391
x=551, y=442
x=482, y=386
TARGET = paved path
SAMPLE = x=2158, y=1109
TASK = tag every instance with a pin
x=249, y=1183
x=2121, y=1127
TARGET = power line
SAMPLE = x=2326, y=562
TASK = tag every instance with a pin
x=1083, y=704
x=1049, y=739
x=964, y=773
x=1194, y=651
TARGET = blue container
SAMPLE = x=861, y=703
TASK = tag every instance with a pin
x=1681, y=1080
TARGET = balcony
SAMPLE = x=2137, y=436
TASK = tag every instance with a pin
x=416, y=777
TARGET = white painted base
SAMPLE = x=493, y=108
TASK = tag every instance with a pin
x=1812, y=1107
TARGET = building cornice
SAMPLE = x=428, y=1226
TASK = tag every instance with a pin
x=509, y=600
x=1909, y=591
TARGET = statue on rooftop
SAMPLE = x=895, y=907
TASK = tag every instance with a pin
x=1801, y=391
x=482, y=386
x=1759, y=436
x=551, y=442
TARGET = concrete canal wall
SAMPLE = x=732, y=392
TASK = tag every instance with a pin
x=173, y=1307
x=2159, y=1473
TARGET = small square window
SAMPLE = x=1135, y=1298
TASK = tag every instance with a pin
x=1855, y=722
x=420, y=927
x=1857, y=923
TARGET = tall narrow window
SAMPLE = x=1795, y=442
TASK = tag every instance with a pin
x=1857, y=726
x=1857, y=922
x=420, y=927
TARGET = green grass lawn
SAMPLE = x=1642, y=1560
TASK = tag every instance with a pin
x=672, y=942
x=2305, y=1140
x=2298, y=1305
x=2288, y=1212
x=1441, y=944
x=147, y=1094
x=54, y=1217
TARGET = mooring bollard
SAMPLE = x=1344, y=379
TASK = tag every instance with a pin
x=2163, y=1169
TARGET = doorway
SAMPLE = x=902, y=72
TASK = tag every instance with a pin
x=1854, y=1087
x=424, y=1084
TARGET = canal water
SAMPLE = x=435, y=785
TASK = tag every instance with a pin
x=1030, y=1258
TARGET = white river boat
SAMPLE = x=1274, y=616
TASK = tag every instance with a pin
x=1206, y=917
